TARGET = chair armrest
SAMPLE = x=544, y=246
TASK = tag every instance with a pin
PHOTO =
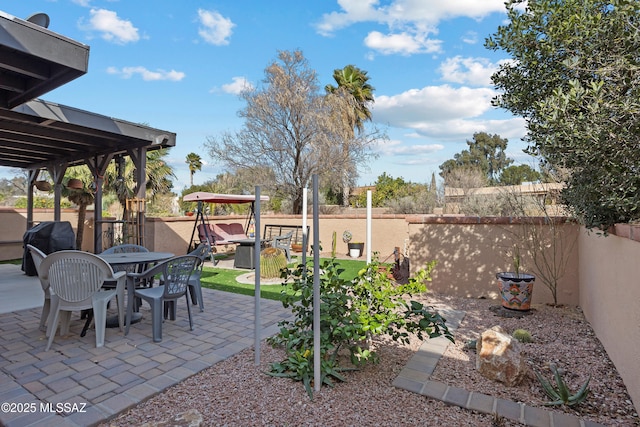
x=149, y=273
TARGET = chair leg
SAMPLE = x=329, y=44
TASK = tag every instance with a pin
x=53, y=326
x=46, y=309
x=52, y=310
x=189, y=311
x=170, y=310
x=100, y=318
x=156, y=319
x=65, y=322
x=196, y=296
x=192, y=294
x=120, y=300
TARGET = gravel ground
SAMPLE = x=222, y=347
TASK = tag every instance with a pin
x=235, y=392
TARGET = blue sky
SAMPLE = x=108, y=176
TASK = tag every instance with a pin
x=178, y=66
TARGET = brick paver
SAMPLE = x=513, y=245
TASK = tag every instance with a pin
x=127, y=370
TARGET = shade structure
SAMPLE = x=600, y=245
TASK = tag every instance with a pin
x=203, y=196
x=35, y=60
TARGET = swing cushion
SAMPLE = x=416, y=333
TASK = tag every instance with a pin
x=222, y=234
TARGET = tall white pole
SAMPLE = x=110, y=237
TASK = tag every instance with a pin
x=256, y=263
x=317, y=378
x=305, y=237
x=368, y=245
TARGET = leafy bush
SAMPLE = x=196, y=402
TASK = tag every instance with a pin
x=351, y=313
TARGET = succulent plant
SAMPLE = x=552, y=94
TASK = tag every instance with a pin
x=560, y=394
x=522, y=335
x=272, y=261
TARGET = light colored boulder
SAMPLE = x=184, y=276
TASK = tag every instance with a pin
x=499, y=357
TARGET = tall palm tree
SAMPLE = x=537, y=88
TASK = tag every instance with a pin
x=352, y=81
x=195, y=164
x=158, y=174
x=82, y=197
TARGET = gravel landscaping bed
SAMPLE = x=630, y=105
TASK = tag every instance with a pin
x=235, y=392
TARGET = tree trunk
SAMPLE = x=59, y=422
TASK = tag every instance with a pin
x=82, y=213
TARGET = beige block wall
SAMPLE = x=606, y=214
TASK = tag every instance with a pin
x=13, y=224
x=388, y=231
x=470, y=251
x=610, y=299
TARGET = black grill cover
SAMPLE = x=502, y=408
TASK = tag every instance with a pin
x=49, y=237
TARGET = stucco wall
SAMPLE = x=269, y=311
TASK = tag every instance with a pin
x=471, y=250
x=388, y=231
x=13, y=224
x=610, y=298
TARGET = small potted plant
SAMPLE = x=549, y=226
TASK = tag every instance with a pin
x=355, y=248
x=516, y=288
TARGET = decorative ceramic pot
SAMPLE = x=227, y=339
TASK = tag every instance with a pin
x=516, y=290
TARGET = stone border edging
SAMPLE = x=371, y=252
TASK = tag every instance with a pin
x=414, y=377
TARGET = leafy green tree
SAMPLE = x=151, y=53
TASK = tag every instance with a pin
x=195, y=164
x=386, y=189
x=485, y=153
x=292, y=132
x=574, y=78
x=516, y=175
x=16, y=186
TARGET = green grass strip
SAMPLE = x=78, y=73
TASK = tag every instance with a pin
x=223, y=279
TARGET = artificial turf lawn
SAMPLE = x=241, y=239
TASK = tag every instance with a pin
x=224, y=279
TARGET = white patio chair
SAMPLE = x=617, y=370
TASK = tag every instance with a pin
x=75, y=281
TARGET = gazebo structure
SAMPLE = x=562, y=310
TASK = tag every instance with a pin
x=37, y=135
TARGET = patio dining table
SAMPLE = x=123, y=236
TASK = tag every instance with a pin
x=140, y=258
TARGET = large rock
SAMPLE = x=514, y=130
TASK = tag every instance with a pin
x=499, y=357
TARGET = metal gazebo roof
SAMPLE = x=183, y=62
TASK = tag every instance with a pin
x=35, y=60
x=36, y=134
x=40, y=133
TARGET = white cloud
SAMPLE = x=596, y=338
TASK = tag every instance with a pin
x=470, y=37
x=147, y=75
x=409, y=21
x=473, y=71
x=431, y=104
x=113, y=28
x=401, y=12
x=215, y=28
x=444, y=112
x=83, y=3
x=238, y=85
x=399, y=148
x=402, y=43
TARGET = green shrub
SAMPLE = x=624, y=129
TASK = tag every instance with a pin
x=351, y=313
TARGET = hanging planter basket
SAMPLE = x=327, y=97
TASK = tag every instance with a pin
x=42, y=185
x=75, y=184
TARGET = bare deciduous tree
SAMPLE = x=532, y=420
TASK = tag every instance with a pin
x=292, y=131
